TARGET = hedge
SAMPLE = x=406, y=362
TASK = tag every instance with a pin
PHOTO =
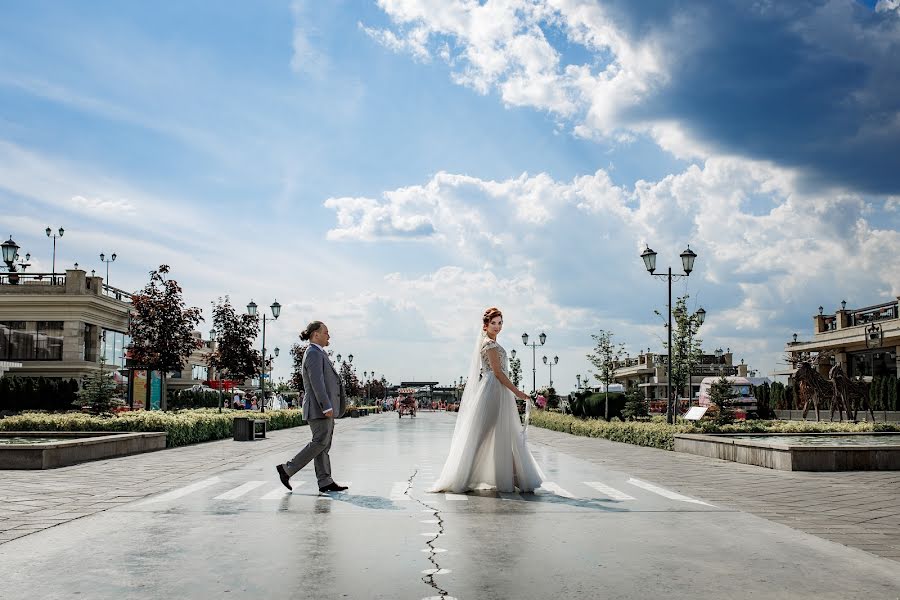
x=183, y=427
x=659, y=434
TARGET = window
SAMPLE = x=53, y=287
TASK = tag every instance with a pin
x=199, y=372
x=113, y=346
x=31, y=340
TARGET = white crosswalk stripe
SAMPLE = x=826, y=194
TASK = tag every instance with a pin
x=398, y=492
x=240, y=490
x=456, y=497
x=184, y=491
x=555, y=489
x=664, y=492
x=280, y=492
x=608, y=491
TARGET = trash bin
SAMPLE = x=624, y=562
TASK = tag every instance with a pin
x=243, y=429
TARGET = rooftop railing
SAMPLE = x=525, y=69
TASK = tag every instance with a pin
x=870, y=314
x=114, y=292
x=18, y=278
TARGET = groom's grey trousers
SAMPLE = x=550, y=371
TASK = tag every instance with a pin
x=317, y=451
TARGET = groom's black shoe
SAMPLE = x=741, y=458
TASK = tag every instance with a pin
x=333, y=487
x=285, y=478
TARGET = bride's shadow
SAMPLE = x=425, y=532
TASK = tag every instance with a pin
x=605, y=505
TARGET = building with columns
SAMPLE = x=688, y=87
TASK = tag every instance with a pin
x=864, y=341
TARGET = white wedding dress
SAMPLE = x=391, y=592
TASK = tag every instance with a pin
x=489, y=449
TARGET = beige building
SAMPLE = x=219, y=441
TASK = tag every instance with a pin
x=864, y=341
x=61, y=327
x=648, y=372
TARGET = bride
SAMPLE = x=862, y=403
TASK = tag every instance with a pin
x=489, y=449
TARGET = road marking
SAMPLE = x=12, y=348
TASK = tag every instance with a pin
x=510, y=495
x=436, y=571
x=435, y=550
x=184, y=491
x=240, y=490
x=398, y=492
x=552, y=487
x=456, y=497
x=432, y=534
x=430, y=521
x=279, y=492
x=665, y=493
x=608, y=491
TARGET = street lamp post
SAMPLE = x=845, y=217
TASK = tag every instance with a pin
x=212, y=340
x=550, y=364
x=50, y=234
x=103, y=258
x=10, y=256
x=534, y=345
x=687, y=263
x=276, y=311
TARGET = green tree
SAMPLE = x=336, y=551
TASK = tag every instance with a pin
x=162, y=327
x=349, y=379
x=722, y=394
x=515, y=371
x=686, y=346
x=603, y=358
x=98, y=394
x=636, y=405
x=234, y=356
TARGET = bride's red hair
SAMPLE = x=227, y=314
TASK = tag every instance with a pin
x=490, y=314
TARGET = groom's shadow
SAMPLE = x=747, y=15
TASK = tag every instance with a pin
x=359, y=500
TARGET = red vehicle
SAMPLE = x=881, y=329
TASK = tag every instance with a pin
x=406, y=403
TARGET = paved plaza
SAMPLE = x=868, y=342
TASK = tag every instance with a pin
x=613, y=521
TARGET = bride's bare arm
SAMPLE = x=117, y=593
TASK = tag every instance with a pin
x=494, y=360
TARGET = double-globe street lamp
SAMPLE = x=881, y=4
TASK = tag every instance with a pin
x=11, y=255
x=50, y=234
x=687, y=263
x=276, y=311
x=112, y=258
x=550, y=363
x=534, y=345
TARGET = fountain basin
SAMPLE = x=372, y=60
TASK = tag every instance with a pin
x=52, y=449
x=865, y=451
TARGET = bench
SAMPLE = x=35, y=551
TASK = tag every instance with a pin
x=247, y=429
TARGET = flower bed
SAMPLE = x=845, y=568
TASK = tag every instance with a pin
x=183, y=427
x=659, y=434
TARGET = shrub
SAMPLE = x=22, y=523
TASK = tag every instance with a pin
x=183, y=427
x=658, y=434
x=636, y=406
x=37, y=393
x=98, y=395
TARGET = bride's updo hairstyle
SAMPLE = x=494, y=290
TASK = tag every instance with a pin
x=489, y=315
x=310, y=329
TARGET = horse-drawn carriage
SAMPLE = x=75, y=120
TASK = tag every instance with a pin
x=406, y=402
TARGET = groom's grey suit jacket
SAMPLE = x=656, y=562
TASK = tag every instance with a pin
x=322, y=387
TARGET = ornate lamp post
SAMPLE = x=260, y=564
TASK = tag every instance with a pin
x=696, y=319
x=50, y=234
x=534, y=345
x=10, y=256
x=550, y=363
x=687, y=263
x=112, y=258
x=276, y=311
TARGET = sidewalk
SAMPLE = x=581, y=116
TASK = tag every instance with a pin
x=860, y=509
x=31, y=501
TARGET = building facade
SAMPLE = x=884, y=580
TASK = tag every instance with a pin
x=864, y=341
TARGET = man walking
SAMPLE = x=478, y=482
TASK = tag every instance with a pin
x=324, y=400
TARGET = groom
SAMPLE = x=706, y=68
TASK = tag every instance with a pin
x=324, y=400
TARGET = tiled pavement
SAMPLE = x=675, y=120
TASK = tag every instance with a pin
x=859, y=509
x=34, y=500
x=855, y=508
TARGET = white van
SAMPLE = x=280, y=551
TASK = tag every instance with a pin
x=744, y=402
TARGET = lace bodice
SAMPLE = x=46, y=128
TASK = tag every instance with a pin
x=486, y=364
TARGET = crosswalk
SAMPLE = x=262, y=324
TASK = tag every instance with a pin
x=629, y=490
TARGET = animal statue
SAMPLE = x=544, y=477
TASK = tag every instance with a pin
x=854, y=392
x=813, y=387
x=840, y=393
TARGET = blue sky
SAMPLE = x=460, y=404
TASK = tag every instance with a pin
x=395, y=167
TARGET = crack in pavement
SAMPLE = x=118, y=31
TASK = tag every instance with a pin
x=432, y=550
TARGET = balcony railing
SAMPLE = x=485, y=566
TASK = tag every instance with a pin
x=116, y=293
x=33, y=279
x=870, y=314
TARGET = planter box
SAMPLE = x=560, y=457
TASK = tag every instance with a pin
x=64, y=448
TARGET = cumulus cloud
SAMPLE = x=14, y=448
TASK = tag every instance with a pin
x=809, y=85
x=769, y=250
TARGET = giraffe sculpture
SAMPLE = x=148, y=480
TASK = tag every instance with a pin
x=813, y=387
x=854, y=392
